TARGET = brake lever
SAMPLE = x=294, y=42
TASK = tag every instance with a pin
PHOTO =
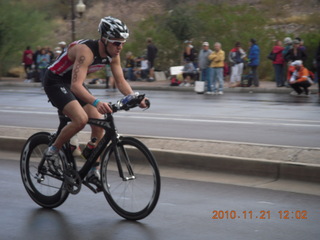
x=148, y=104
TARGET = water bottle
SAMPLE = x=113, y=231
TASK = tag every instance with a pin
x=74, y=145
x=127, y=99
x=89, y=148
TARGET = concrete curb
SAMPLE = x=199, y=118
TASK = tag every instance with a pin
x=214, y=163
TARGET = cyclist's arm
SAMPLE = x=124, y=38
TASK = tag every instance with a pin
x=117, y=72
x=121, y=83
x=83, y=57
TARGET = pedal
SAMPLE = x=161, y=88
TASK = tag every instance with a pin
x=94, y=190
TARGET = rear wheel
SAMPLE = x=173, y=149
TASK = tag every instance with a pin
x=44, y=187
x=130, y=179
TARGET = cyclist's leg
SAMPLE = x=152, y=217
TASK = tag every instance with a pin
x=92, y=112
x=78, y=118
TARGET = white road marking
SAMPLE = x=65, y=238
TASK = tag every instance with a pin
x=186, y=119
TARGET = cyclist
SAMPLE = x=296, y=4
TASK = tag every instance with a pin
x=64, y=84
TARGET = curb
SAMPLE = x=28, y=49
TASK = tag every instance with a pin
x=275, y=170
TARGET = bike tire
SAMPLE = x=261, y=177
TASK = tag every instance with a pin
x=51, y=195
x=132, y=199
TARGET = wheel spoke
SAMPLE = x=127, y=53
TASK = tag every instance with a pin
x=135, y=195
x=44, y=187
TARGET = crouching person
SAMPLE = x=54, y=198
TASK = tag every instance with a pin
x=298, y=78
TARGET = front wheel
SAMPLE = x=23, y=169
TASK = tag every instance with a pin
x=43, y=187
x=130, y=179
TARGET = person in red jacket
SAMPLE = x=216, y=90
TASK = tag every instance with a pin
x=299, y=77
x=278, y=64
x=27, y=60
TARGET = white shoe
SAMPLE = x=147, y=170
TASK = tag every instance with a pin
x=294, y=93
x=220, y=93
x=208, y=93
x=187, y=85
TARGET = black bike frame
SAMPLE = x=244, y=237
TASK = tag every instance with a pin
x=110, y=135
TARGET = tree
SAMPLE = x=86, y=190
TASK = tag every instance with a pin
x=20, y=25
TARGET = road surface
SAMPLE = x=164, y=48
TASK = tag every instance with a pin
x=276, y=119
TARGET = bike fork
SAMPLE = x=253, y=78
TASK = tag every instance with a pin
x=126, y=161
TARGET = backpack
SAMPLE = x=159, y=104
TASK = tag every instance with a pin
x=272, y=56
x=175, y=82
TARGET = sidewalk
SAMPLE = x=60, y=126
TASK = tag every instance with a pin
x=265, y=86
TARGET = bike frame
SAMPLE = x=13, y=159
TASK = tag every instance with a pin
x=110, y=135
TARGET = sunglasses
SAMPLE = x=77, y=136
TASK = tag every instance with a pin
x=116, y=42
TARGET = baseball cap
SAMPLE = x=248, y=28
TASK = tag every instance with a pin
x=297, y=63
x=205, y=44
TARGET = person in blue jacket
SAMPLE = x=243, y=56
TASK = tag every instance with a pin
x=254, y=60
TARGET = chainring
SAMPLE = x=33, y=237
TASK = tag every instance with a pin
x=72, y=181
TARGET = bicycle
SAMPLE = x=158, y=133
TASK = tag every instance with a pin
x=130, y=177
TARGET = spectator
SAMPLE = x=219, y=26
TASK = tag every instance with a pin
x=278, y=63
x=35, y=56
x=27, y=60
x=203, y=61
x=128, y=70
x=236, y=59
x=188, y=73
x=142, y=69
x=217, y=58
x=43, y=60
x=295, y=53
x=302, y=47
x=254, y=61
x=317, y=60
x=57, y=52
x=151, y=55
x=288, y=45
x=110, y=82
x=50, y=53
x=190, y=53
x=299, y=78
x=62, y=45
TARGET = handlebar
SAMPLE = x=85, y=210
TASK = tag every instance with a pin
x=128, y=102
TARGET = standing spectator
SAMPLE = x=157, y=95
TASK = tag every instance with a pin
x=254, y=60
x=302, y=47
x=203, y=61
x=278, y=63
x=317, y=58
x=27, y=60
x=188, y=52
x=128, y=70
x=288, y=45
x=50, y=53
x=236, y=59
x=151, y=55
x=43, y=60
x=35, y=56
x=299, y=79
x=296, y=53
x=217, y=58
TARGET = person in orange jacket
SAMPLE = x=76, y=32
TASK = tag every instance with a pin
x=298, y=78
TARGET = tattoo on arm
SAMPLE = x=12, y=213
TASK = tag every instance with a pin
x=76, y=68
